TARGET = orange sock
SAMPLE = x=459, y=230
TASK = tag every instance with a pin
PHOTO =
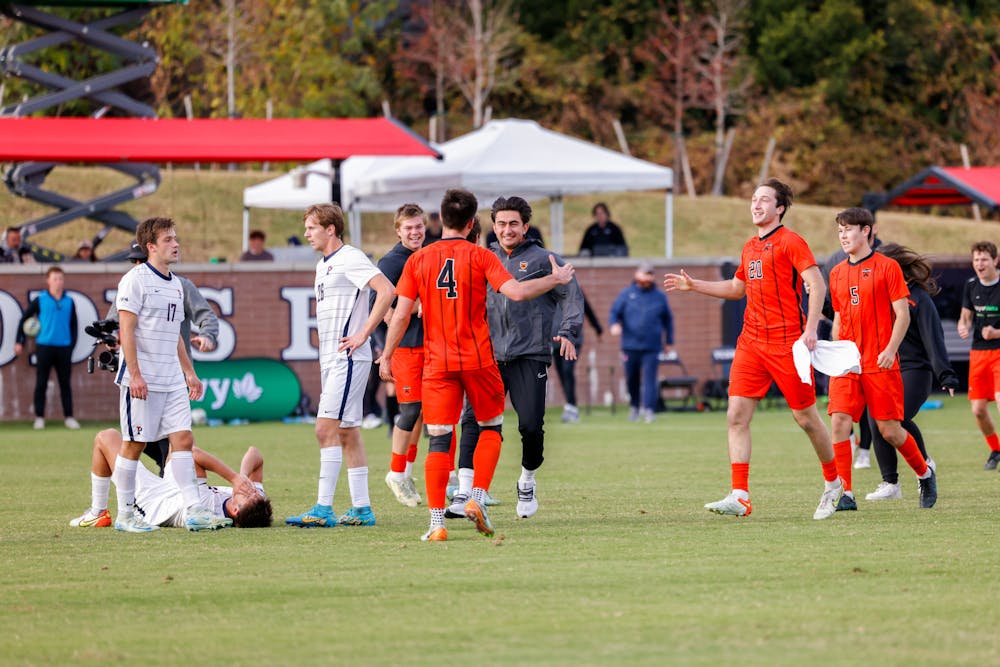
x=436, y=479
x=994, y=442
x=411, y=453
x=844, y=458
x=914, y=458
x=741, y=476
x=398, y=463
x=484, y=461
x=830, y=470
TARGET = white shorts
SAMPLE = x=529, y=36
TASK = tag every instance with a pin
x=162, y=413
x=158, y=500
x=343, y=391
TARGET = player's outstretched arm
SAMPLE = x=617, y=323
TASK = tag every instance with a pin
x=529, y=289
x=722, y=289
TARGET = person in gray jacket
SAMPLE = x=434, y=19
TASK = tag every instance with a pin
x=522, y=335
x=196, y=311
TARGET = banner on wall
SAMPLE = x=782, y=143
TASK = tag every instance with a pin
x=258, y=389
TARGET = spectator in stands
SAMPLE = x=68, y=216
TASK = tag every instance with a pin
x=12, y=252
x=85, y=252
x=603, y=238
x=434, y=228
x=54, y=345
x=642, y=317
x=256, y=251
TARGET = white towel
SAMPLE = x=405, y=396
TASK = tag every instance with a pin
x=831, y=357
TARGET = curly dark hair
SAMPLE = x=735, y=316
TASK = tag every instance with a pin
x=517, y=204
x=257, y=514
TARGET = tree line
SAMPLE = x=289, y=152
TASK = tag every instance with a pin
x=838, y=97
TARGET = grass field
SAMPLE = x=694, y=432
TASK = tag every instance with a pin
x=620, y=566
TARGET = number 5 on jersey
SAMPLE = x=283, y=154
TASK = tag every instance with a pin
x=446, y=279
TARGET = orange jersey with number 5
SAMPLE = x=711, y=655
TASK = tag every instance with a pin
x=450, y=277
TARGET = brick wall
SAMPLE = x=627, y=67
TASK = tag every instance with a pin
x=266, y=323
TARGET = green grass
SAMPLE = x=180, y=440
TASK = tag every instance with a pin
x=208, y=206
x=621, y=565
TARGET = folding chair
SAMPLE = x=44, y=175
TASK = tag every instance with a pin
x=716, y=390
x=677, y=391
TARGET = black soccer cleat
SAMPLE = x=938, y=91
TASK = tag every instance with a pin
x=928, y=490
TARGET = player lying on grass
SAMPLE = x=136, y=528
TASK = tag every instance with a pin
x=159, y=501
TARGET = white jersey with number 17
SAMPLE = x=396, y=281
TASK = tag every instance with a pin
x=158, y=302
x=342, y=302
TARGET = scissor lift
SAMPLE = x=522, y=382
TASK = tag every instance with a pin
x=135, y=61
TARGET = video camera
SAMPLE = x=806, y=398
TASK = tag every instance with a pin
x=104, y=332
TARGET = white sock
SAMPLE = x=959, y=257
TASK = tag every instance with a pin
x=830, y=486
x=330, y=459
x=394, y=476
x=465, y=476
x=124, y=478
x=357, y=482
x=99, y=489
x=437, y=518
x=409, y=469
x=182, y=465
x=527, y=477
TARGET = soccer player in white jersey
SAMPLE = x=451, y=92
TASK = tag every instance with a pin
x=155, y=376
x=159, y=500
x=344, y=277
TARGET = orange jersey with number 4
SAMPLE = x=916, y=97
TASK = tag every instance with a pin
x=862, y=294
x=450, y=277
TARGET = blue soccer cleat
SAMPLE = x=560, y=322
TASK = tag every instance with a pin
x=358, y=516
x=319, y=516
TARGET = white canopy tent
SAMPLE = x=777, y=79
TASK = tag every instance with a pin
x=517, y=157
x=503, y=158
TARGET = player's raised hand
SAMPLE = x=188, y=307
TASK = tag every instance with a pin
x=678, y=282
x=563, y=273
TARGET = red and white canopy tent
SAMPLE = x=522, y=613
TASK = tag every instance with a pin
x=943, y=186
x=125, y=143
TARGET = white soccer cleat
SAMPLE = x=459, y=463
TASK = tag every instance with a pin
x=133, y=524
x=885, y=491
x=527, y=502
x=735, y=504
x=199, y=518
x=72, y=424
x=862, y=459
x=38, y=424
x=402, y=492
x=828, y=502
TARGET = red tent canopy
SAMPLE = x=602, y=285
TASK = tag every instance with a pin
x=203, y=140
x=946, y=186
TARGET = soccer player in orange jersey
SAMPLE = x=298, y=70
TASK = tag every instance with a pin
x=980, y=319
x=450, y=278
x=773, y=267
x=869, y=297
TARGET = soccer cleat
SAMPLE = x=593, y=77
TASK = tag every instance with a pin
x=648, y=416
x=571, y=414
x=863, y=459
x=828, y=502
x=527, y=503
x=133, y=524
x=847, y=504
x=928, y=490
x=457, y=508
x=451, y=490
x=991, y=463
x=885, y=491
x=489, y=500
x=39, y=424
x=411, y=488
x=732, y=504
x=402, y=493
x=357, y=516
x=90, y=520
x=438, y=534
x=199, y=518
x=476, y=513
x=633, y=414
x=319, y=516
x=72, y=424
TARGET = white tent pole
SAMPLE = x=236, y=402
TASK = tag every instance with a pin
x=246, y=228
x=556, y=224
x=354, y=224
x=669, y=246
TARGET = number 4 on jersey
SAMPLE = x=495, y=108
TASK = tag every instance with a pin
x=446, y=279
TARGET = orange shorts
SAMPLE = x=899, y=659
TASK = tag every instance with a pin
x=407, y=373
x=755, y=366
x=984, y=374
x=443, y=392
x=881, y=393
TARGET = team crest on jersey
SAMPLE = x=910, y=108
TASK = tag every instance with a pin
x=329, y=270
x=523, y=266
x=866, y=273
